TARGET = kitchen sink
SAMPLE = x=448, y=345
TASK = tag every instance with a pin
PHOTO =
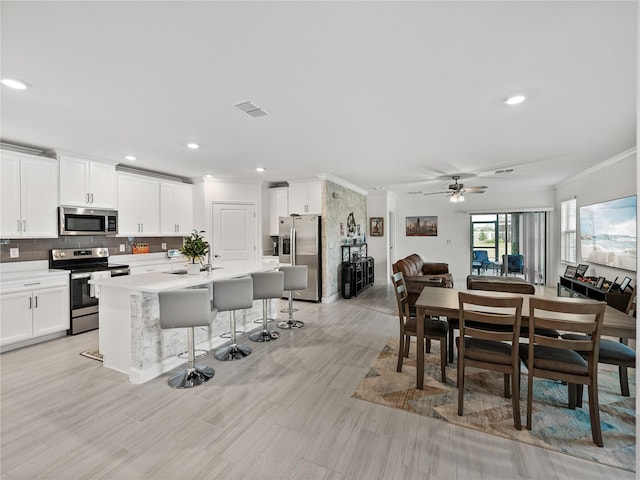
x=183, y=271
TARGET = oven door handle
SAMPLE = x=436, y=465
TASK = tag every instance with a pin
x=76, y=276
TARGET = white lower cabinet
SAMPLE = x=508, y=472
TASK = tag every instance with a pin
x=33, y=313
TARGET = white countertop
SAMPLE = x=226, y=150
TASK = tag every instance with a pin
x=162, y=281
x=23, y=279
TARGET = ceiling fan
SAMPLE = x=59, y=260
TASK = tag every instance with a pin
x=457, y=190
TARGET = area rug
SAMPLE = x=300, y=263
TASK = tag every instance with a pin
x=555, y=427
x=94, y=353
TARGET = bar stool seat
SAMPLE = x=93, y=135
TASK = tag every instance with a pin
x=187, y=308
x=229, y=296
x=295, y=278
x=266, y=285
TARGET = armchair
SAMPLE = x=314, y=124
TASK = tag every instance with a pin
x=481, y=261
x=513, y=263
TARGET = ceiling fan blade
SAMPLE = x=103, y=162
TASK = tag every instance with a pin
x=437, y=193
x=474, y=189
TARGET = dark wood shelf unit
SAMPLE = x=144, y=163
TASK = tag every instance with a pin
x=576, y=288
x=357, y=271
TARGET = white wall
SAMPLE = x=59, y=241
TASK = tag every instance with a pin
x=452, y=245
x=613, y=178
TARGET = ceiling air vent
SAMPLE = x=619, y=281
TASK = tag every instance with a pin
x=504, y=171
x=251, y=108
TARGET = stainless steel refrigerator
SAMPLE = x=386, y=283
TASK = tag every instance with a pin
x=299, y=244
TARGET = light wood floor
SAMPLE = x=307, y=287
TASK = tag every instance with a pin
x=284, y=412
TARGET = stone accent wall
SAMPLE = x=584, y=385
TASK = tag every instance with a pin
x=339, y=203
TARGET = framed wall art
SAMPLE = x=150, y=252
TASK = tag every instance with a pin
x=421, y=226
x=376, y=227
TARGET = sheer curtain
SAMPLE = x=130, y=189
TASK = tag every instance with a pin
x=533, y=245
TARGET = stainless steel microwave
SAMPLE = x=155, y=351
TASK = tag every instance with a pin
x=87, y=221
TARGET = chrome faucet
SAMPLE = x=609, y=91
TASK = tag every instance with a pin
x=208, y=267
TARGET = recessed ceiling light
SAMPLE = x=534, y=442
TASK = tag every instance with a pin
x=208, y=175
x=259, y=169
x=130, y=157
x=515, y=99
x=193, y=146
x=15, y=83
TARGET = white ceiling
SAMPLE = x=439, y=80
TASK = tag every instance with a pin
x=376, y=93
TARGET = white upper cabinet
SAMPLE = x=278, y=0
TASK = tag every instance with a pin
x=85, y=183
x=29, y=196
x=176, y=209
x=305, y=197
x=138, y=206
x=278, y=207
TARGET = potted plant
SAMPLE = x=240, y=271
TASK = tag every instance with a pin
x=195, y=247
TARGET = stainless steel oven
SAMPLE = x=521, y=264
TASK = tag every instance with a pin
x=85, y=264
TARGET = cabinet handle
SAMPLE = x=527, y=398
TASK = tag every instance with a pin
x=19, y=226
x=142, y=227
x=24, y=225
x=36, y=302
x=92, y=198
x=30, y=303
x=87, y=201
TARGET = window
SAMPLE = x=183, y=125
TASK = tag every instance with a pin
x=568, y=231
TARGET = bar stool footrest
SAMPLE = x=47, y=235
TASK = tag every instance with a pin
x=228, y=334
x=196, y=353
x=261, y=320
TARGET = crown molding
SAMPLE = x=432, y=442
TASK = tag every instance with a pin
x=604, y=164
x=343, y=183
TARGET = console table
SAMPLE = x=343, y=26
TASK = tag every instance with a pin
x=576, y=288
x=357, y=269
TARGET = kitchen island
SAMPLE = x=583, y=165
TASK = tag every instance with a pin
x=130, y=338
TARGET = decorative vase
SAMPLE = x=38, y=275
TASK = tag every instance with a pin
x=193, y=268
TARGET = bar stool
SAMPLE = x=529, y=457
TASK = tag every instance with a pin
x=295, y=278
x=266, y=285
x=187, y=308
x=229, y=296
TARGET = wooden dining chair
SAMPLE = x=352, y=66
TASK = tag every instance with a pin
x=558, y=358
x=489, y=333
x=614, y=352
x=433, y=328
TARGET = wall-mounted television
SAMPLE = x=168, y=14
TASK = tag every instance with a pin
x=608, y=233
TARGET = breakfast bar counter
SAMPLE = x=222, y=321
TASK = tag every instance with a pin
x=130, y=338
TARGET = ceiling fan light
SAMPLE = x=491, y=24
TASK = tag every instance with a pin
x=514, y=99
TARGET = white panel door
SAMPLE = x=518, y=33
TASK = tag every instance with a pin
x=234, y=233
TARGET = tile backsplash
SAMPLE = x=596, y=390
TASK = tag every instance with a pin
x=32, y=249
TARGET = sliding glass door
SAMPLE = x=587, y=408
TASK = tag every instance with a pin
x=514, y=244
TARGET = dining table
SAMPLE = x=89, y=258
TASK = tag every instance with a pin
x=437, y=301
